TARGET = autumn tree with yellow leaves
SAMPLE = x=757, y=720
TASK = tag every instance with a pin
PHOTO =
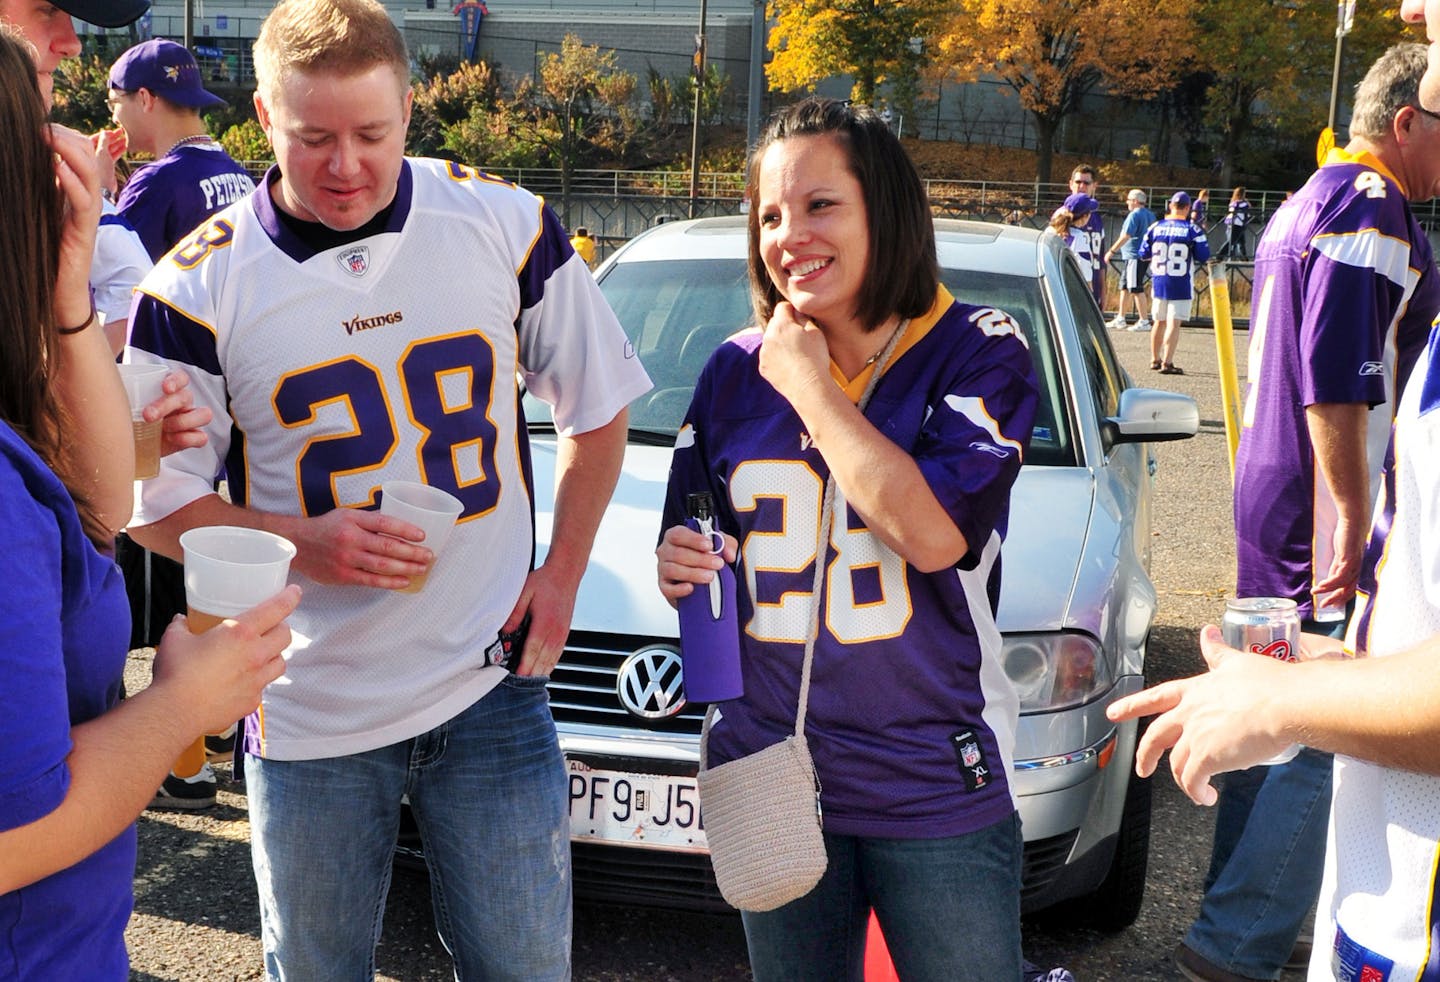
x=872, y=41
x=1052, y=53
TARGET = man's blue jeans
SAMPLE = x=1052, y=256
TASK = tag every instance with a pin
x=1267, y=860
x=949, y=908
x=488, y=791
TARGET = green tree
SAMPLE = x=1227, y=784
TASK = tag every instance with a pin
x=872, y=41
x=581, y=103
x=449, y=99
x=247, y=141
x=1053, y=53
x=81, y=87
x=1271, y=61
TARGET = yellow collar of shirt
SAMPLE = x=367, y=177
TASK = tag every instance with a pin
x=917, y=329
x=1339, y=155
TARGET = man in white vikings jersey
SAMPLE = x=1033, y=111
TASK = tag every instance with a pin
x=364, y=317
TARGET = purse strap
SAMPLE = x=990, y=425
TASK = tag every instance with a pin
x=827, y=509
x=827, y=519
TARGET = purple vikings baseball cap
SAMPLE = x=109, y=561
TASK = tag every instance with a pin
x=105, y=13
x=167, y=70
x=1080, y=203
x=1180, y=199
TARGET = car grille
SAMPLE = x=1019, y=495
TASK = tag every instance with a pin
x=582, y=686
x=645, y=877
x=1043, y=861
x=582, y=691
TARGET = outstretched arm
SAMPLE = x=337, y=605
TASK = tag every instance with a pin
x=1248, y=707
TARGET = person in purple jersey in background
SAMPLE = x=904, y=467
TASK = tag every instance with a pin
x=1346, y=279
x=156, y=98
x=911, y=718
x=1345, y=290
x=1172, y=246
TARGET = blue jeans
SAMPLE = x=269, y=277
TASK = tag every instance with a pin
x=488, y=791
x=1267, y=859
x=949, y=909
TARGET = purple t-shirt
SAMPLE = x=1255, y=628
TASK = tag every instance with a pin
x=1345, y=290
x=1172, y=246
x=165, y=200
x=64, y=625
x=907, y=663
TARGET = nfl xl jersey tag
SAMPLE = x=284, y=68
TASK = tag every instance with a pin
x=971, y=757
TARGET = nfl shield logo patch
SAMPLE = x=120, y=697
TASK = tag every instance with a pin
x=355, y=261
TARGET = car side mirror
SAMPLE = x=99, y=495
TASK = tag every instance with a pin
x=1152, y=416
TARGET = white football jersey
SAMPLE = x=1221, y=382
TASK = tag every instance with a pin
x=1378, y=910
x=394, y=356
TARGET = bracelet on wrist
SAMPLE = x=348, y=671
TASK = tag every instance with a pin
x=67, y=331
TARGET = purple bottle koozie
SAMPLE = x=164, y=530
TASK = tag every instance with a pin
x=709, y=633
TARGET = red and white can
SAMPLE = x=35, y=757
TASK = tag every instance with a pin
x=1264, y=625
x=1267, y=626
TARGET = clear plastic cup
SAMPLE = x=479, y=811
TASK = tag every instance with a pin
x=433, y=510
x=143, y=385
x=229, y=569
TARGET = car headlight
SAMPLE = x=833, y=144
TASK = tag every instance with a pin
x=1056, y=670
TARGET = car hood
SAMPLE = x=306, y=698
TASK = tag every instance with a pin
x=1049, y=519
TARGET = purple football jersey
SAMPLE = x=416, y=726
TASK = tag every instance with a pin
x=1172, y=246
x=1345, y=290
x=166, y=200
x=911, y=717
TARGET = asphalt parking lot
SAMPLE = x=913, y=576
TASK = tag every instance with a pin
x=196, y=919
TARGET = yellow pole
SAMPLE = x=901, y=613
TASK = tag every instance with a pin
x=1225, y=354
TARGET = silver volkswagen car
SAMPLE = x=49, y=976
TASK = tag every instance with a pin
x=1076, y=599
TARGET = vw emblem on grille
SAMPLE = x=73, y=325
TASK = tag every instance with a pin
x=650, y=684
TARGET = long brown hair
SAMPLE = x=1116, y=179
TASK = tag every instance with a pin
x=31, y=212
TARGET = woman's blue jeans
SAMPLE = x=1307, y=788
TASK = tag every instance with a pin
x=949, y=909
x=489, y=793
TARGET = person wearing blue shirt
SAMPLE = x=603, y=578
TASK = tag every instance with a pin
x=1172, y=247
x=1133, y=273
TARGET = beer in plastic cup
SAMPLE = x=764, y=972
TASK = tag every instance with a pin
x=435, y=511
x=143, y=385
x=229, y=569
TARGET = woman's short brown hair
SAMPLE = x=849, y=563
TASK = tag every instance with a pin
x=903, y=273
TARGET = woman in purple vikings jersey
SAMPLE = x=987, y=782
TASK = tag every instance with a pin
x=911, y=718
x=79, y=764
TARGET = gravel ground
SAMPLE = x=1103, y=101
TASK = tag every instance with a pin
x=195, y=915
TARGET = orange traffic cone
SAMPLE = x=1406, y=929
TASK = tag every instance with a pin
x=878, y=967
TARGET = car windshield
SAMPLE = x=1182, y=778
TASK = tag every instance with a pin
x=677, y=311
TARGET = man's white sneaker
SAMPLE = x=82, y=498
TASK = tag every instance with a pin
x=1143, y=324
x=1117, y=323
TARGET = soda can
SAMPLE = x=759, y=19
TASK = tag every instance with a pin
x=1268, y=626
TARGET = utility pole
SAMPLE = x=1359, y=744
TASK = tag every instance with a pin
x=189, y=25
x=1344, y=21
x=699, y=69
x=757, y=73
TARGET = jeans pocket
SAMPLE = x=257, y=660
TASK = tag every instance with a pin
x=523, y=682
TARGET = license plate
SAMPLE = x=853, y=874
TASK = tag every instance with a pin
x=661, y=811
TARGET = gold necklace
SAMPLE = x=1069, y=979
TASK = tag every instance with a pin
x=876, y=356
x=198, y=139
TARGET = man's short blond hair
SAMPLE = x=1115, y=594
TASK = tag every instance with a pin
x=341, y=37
